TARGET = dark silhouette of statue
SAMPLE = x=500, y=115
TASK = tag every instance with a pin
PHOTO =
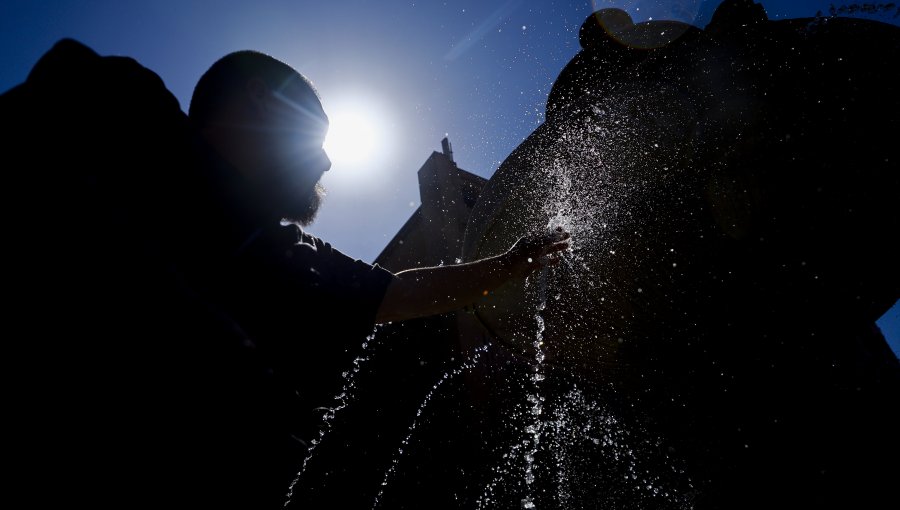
x=732, y=196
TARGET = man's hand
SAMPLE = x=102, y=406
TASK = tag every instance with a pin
x=531, y=253
x=432, y=290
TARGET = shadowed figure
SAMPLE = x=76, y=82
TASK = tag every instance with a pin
x=732, y=196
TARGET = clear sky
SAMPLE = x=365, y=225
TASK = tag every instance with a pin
x=478, y=70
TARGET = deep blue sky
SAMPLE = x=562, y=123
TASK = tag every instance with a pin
x=477, y=70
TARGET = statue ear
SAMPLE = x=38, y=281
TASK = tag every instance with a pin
x=603, y=28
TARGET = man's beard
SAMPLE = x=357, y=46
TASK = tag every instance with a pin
x=303, y=211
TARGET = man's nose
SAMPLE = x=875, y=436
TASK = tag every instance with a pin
x=326, y=161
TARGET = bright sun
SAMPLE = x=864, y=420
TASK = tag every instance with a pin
x=356, y=134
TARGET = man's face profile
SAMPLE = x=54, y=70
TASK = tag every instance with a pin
x=296, y=126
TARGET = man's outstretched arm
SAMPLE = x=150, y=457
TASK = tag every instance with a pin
x=434, y=290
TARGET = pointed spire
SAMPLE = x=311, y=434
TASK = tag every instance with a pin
x=445, y=146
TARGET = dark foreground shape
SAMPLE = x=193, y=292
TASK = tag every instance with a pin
x=732, y=195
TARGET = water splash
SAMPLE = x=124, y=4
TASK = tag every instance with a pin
x=610, y=172
x=342, y=400
x=598, y=176
x=593, y=459
x=535, y=399
x=467, y=365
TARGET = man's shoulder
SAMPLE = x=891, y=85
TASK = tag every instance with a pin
x=291, y=234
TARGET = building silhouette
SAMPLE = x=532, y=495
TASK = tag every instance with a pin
x=433, y=234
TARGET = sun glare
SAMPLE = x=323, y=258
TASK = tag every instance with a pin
x=356, y=134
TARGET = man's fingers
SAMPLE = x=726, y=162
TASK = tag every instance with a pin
x=556, y=247
x=559, y=235
x=549, y=243
x=553, y=238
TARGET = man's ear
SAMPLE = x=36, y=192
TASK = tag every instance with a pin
x=257, y=92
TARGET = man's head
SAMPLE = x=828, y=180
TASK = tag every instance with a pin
x=266, y=119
